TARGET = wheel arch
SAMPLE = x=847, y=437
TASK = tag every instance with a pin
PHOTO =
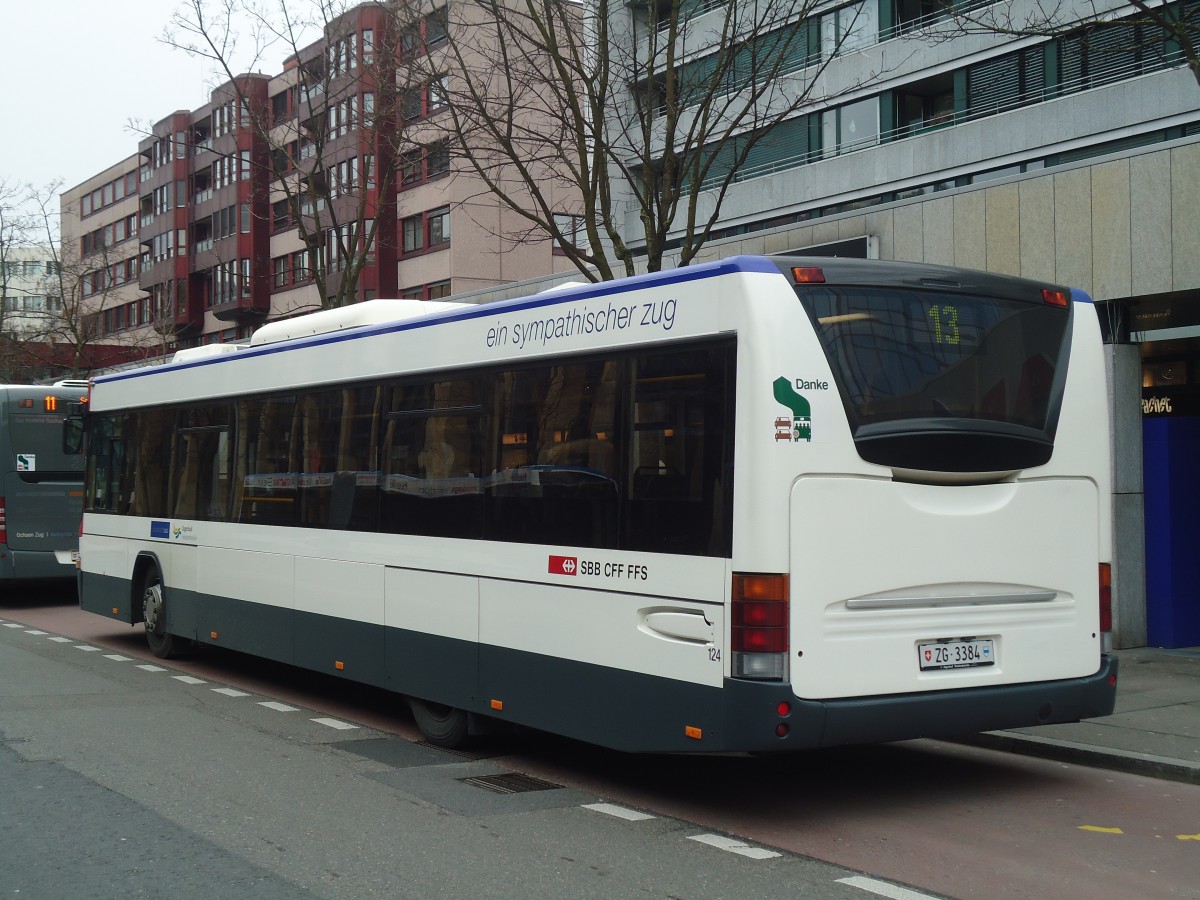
x=143, y=563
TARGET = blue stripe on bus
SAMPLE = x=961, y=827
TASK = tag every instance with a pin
x=500, y=307
x=1081, y=296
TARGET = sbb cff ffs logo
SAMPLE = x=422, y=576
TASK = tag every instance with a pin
x=563, y=565
x=572, y=565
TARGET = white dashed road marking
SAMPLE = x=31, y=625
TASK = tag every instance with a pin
x=61, y=640
x=35, y=631
x=13, y=625
x=335, y=723
x=279, y=707
x=630, y=815
x=740, y=848
x=883, y=889
x=116, y=657
x=230, y=692
x=87, y=648
x=188, y=679
x=150, y=668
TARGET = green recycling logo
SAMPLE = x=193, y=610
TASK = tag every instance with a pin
x=799, y=426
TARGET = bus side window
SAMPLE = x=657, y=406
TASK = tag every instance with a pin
x=432, y=479
x=678, y=453
x=202, y=464
x=265, y=469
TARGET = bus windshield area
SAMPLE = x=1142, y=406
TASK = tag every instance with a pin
x=910, y=360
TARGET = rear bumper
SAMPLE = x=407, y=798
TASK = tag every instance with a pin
x=937, y=714
x=33, y=565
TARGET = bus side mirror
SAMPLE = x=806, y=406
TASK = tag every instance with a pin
x=72, y=439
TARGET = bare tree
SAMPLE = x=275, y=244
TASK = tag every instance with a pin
x=47, y=328
x=77, y=292
x=1168, y=31
x=330, y=141
x=641, y=112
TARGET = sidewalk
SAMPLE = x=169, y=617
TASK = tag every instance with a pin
x=1155, y=729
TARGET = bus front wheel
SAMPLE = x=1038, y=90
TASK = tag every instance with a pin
x=444, y=726
x=154, y=609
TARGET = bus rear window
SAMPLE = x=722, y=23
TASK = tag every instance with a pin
x=36, y=442
x=933, y=380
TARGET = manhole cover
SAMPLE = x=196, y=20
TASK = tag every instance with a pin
x=511, y=783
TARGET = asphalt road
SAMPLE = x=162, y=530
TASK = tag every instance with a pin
x=218, y=791
x=122, y=777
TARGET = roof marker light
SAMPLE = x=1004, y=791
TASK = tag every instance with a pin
x=808, y=275
x=1056, y=298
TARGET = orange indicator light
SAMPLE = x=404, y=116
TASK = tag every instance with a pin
x=808, y=275
x=1056, y=298
x=115, y=610
x=339, y=665
x=497, y=705
x=213, y=635
x=693, y=732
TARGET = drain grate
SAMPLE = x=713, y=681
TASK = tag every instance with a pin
x=510, y=783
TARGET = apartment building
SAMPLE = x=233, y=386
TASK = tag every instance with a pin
x=1071, y=156
x=29, y=290
x=329, y=182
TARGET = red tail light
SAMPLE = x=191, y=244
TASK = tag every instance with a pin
x=1105, y=598
x=759, y=626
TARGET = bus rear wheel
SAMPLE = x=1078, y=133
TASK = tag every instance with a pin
x=162, y=644
x=444, y=726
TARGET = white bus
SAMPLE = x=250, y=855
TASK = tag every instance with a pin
x=756, y=505
x=41, y=486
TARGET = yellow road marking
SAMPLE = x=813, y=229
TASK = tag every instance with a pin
x=1188, y=837
x=1101, y=829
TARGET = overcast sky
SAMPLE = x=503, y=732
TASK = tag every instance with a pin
x=75, y=73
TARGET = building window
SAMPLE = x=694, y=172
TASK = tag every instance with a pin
x=279, y=215
x=436, y=24
x=850, y=127
x=410, y=104
x=439, y=289
x=413, y=229
x=573, y=229
x=410, y=167
x=439, y=90
x=300, y=270
x=437, y=159
x=439, y=226
x=280, y=265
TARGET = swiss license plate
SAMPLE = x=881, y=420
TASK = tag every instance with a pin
x=957, y=654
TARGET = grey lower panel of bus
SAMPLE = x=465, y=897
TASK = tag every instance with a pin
x=32, y=564
x=601, y=705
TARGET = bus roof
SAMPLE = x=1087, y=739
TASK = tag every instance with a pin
x=387, y=316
